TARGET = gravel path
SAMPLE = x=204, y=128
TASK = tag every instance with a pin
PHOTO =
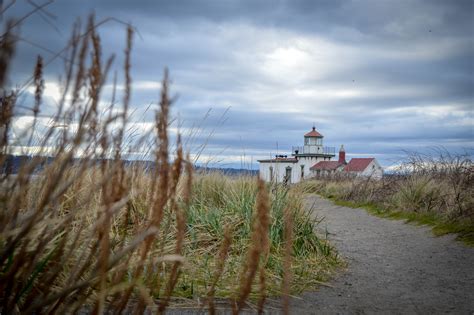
x=393, y=267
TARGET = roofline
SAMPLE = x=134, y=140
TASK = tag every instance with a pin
x=312, y=168
x=328, y=169
x=369, y=160
x=313, y=154
x=277, y=161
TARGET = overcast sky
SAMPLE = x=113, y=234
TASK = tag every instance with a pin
x=379, y=77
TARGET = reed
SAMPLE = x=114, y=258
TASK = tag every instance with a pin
x=288, y=248
x=222, y=257
x=259, y=245
x=84, y=230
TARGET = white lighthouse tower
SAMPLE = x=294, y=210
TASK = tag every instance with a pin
x=313, y=142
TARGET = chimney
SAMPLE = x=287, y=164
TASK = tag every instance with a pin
x=342, y=155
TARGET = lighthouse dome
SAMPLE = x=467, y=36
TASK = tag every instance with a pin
x=313, y=133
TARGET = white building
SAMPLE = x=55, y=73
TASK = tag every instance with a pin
x=314, y=160
x=293, y=169
x=366, y=167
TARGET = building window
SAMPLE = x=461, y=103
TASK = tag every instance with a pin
x=271, y=173
x=302, y=171
x=287, y=175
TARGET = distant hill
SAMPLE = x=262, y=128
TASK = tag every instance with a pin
x=227, y=171
x=13, y=163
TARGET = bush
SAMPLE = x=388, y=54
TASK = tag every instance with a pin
x=438, y=186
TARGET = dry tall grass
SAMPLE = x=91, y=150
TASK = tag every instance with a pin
x=82, y=230
x=435, y=188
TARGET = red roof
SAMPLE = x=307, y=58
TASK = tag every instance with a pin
x=326, y=165
x=313, y=133
x=358, y=164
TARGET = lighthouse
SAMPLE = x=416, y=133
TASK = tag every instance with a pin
x=284, y=169
x=313, y=148
x=313, y=159
x=313, y=142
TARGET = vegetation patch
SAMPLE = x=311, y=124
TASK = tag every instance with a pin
x=439, y=227
x=84, y=230
x=435, y=191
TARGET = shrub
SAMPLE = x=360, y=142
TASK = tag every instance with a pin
x=438, y=186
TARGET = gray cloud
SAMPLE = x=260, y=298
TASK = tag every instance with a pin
x=377, y=76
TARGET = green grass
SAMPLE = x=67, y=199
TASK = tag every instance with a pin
x=219, y=201
x=464, y=231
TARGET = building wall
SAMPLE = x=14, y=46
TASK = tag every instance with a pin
x=279, y=169
x=308, y=161
x=322, y=173
x=314, y=149
x=374, y=170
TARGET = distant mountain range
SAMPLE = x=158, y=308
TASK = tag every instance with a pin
x=13, y=163
x=227, y=171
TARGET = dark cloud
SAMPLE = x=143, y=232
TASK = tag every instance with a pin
x=378, y=76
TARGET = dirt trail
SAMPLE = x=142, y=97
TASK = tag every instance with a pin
x=393, y=267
